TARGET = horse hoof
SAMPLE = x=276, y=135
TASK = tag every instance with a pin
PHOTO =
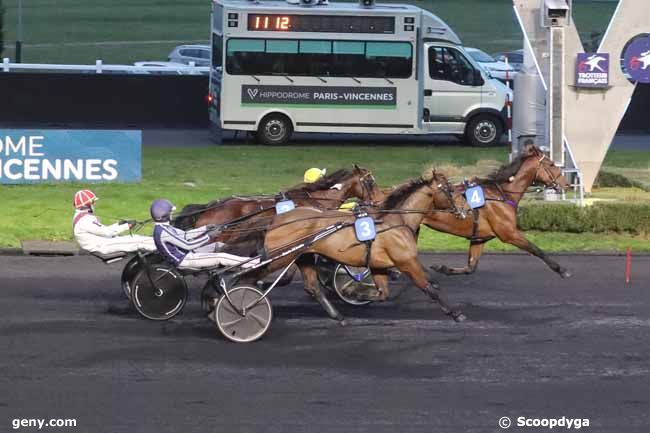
x=394, y=275
x=460, y=317
x=343, y=322
x=565, y=274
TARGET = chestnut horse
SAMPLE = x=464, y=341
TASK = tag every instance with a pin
x=397, y=224
x=329, y=192
x=503, y=191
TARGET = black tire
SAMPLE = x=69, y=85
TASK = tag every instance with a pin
x=274, y=130
x=484, y=130
x=165, y=298
x=131, y=270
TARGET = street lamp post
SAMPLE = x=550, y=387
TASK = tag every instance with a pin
x=19, y=33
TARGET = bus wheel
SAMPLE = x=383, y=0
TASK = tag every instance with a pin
x=483, y=130
x=274, y=130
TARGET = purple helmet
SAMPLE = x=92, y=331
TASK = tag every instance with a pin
x=161, y=210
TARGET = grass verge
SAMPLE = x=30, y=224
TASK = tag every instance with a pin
x=197, y=175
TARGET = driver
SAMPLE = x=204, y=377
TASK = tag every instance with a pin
x=192, y=248
x=93, y=236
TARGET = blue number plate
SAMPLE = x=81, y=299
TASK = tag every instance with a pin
x=364, y=228
x=475, y=197
x=284, y=206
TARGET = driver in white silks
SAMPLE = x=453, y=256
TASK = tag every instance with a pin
x=193, y=248
x=93, y=236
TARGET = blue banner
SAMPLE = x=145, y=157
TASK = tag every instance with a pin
x=39, y=156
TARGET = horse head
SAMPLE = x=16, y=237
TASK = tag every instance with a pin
x=546, y=172
x=364, y=186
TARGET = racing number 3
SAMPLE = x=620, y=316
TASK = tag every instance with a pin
x=365, y=229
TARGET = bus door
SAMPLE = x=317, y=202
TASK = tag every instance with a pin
x=451, y=89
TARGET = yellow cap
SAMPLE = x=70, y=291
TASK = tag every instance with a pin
x=314, y=174
x=348, y=206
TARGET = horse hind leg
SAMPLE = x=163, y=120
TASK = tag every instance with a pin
x=310, y=279
x=475, y=251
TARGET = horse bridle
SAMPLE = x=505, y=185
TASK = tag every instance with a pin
x=553, y=184
x=367, y=183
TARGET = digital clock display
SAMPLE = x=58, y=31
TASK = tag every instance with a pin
x=320, y=23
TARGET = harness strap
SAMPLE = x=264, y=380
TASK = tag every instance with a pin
x=476, y=214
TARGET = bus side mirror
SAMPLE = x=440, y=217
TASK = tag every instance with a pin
x=478, y=78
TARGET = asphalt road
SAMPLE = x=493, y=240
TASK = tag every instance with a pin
x=534, y=346
x=201, y=137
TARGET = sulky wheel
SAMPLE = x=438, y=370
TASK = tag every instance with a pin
x=163, y=299
x=254, y=319
x=343, y=284
x=128, y=275
x=132, y=269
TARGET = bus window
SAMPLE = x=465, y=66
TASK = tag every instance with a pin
x=448, y=64
x=318, y=58
x=281, y=46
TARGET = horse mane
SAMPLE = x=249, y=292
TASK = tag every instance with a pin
x=326, y=182
x=402, y=192
x=505, y=172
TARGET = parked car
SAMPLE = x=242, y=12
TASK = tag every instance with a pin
x=199, y=54
x=495, y=68
x=171, y=68
x=515, y=58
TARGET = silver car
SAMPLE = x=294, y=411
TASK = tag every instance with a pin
x=199, y=54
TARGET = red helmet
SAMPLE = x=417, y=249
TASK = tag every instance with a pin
x=84, y=198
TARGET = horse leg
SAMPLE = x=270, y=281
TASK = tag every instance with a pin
x=310, y=279
x=519, y=240
x=381, y=283
x=475, y=251
x=416, y=272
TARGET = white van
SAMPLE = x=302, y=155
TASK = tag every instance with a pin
x=279, y=68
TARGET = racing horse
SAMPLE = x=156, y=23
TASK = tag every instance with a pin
x=328, y=192
x=503, y=191
x=395, y=246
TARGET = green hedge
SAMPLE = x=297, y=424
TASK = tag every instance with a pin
x=600, y=218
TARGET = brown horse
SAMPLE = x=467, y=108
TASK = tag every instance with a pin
x=398, y=221
x=329, y=192
x=498, y=218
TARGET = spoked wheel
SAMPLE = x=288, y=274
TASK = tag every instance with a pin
x=343, y=284
x=163, y=299
x=132, y=269
x=128, y=275
x=254, y=319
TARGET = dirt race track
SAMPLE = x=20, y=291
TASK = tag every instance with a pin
x=534, y=346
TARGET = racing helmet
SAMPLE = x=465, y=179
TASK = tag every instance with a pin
x=314, y=174
x=161, y=210
x=84, y=198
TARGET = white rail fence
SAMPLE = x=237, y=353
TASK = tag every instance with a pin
x=99, y=67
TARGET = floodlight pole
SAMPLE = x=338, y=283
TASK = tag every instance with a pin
x=19, y=33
